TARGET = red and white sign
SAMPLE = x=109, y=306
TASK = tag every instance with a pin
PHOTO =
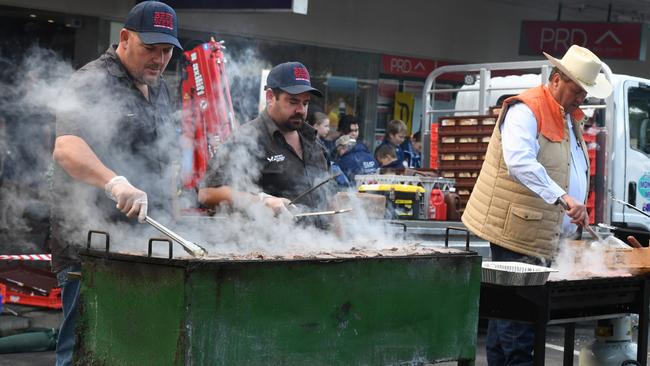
x=406, y=66
x=607, y=40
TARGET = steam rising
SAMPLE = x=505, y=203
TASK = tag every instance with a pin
x=38, y=93
x=27, y=86
x=579, y=259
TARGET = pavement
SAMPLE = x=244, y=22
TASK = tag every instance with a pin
x=554, y=349
x=32, y=317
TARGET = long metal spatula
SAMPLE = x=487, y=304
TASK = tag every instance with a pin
x=191, y=248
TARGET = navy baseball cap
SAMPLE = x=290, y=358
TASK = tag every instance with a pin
x=291, y=77
x=155, y=22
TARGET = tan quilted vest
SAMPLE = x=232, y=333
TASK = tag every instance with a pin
x=505, y=212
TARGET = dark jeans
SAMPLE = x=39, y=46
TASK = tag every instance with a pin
x=509, y=342
x=70, y=302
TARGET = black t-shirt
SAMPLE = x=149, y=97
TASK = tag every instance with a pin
x=132, y=136
x=258, y=157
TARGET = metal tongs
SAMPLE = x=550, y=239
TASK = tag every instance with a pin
x=321, y=213
x=591, y=231
x=313, y=188
x=191, y=248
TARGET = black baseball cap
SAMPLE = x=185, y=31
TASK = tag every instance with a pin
x=155, y=22
x=291, y=77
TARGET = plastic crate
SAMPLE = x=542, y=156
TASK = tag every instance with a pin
x=433, y=147
x=480, y=147
x=460, y=165
x=479, y=130
x=489, y=120
x=464, y=179
x=52, y=300
x=467, y=140
x=592, y=215
x=589, y=137
x=30, y=286
x=591, y=200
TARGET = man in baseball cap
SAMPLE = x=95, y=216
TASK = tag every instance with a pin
x=109, y=143
x=286, y=157
x=155, y=22
x=291, y=77
x=147, y=41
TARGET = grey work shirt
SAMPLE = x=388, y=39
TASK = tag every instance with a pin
x=258, y=157
x=132, y=136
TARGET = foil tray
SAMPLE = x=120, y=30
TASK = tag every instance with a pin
x=514, y=274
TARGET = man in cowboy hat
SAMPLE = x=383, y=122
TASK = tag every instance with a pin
x=536, y=159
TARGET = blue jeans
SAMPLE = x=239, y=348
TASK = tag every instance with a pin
x=70, y=302
x=509, y=342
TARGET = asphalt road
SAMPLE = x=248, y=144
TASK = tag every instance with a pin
x=555, y=340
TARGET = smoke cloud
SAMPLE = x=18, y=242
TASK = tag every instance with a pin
x=42, y=91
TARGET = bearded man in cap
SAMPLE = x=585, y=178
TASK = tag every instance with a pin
x=113, y=128
x=275, y=157
x=536, y=164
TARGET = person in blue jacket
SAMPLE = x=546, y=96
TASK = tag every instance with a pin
x=394, y=137
x=354, y=158
x=413, y=150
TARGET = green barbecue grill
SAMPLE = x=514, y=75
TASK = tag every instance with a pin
x=378, y=310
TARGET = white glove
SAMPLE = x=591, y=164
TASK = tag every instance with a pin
x=130, y=200
x=277, y=204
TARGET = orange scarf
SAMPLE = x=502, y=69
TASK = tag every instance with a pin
x=548, y=112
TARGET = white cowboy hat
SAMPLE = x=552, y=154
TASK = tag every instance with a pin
x=583, y=67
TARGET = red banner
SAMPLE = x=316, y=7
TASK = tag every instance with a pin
x=607, y=40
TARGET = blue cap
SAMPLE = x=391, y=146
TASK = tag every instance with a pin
x=291, y=77
x=155, y=22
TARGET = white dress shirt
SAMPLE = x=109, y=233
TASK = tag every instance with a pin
x=520, y=149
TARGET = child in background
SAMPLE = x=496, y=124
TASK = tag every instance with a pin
x=319, y=121
x=413, y=150
x=394, y=137
x=386, y=156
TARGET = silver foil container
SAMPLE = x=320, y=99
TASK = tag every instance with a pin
x=514, y=274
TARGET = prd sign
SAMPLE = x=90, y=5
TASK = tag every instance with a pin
x=607, y=40
x=406, y=66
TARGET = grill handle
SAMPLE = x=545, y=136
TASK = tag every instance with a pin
x=457, y=229
x=160, y=240
x=107, y=238
x=193, y=249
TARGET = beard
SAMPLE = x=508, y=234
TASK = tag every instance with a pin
x=293, y=123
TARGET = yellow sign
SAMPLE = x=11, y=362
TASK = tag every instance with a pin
x=403, y=109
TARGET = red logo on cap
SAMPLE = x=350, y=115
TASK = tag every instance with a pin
x=300, y=73
x=163, y=20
